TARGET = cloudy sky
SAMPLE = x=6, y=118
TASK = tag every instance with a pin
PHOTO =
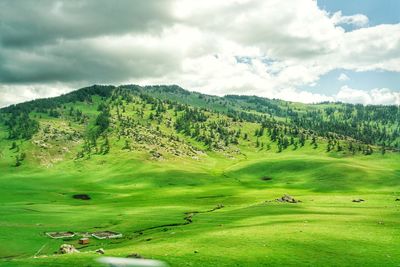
x=298, y=50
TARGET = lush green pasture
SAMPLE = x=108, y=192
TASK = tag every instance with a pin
x=130, y=194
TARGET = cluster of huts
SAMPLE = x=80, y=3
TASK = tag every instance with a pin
x=85, y=236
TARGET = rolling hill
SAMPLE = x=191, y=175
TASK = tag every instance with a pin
x=193, y=179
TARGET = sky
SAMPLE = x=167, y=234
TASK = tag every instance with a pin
x=300, y=50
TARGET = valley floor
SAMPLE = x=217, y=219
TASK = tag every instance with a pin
x=149, y=203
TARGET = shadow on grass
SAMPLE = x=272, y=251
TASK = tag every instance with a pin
x=316, y=175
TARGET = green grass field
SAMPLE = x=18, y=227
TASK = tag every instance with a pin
x=196, y=205
x=130, y=193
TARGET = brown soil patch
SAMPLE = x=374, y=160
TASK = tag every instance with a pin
x=82, y=196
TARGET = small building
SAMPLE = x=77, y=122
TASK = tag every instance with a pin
x=84, y=241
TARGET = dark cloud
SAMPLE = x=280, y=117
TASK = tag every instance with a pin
x=34, y=22
x=68, y=41
x=86, y=60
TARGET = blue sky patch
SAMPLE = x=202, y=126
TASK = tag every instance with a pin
x=330, y=83
x=377, y=11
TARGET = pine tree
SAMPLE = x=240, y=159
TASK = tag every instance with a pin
x=13, y=145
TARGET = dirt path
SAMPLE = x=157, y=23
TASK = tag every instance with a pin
x=188, y=219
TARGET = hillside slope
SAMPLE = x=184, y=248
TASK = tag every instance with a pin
x=161, y=117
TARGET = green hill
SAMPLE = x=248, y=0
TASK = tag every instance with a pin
x=193, y=179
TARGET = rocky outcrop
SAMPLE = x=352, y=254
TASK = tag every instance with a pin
x=67, y=249
x=288, y=199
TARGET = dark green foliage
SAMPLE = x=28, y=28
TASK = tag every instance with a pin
x=383, y=149
x=19, y=123
x=43, y=105
x=21, y=126
x=127, y=145
x=13, y=145
x=368, y=124
x=105, y=147
x=54, y=113
x=19, y=158
x=102, y=121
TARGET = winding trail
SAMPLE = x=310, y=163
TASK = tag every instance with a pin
x=188, y=219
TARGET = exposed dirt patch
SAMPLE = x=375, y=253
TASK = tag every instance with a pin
x=82, y=196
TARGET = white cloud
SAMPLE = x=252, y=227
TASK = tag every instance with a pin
x=305, y=45
x=358, y=20
x=373, y=48
x=378, y=96
x=343, y=77
x=287, y=45
x=302, y=96
x=21, y=93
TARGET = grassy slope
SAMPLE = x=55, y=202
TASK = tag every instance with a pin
x=130, y=193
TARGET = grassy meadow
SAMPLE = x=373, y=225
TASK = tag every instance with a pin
x=130, y=194
x=185, y=185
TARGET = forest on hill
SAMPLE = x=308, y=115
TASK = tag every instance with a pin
x=196, y=122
